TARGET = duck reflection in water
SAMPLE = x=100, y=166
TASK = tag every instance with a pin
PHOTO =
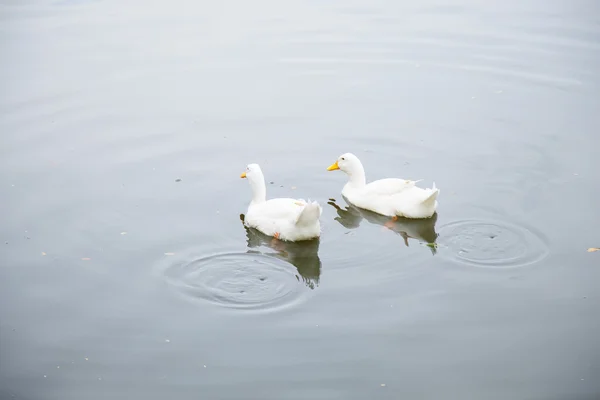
x=303, y=255
x=420, y=229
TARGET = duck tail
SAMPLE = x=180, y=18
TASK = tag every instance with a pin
x=431, y=198
x=310, y=214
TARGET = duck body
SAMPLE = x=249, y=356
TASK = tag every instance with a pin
x=283, y=218
x=392, y=197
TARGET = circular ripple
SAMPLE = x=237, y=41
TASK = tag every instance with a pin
x=492, y=244
x=237, y=280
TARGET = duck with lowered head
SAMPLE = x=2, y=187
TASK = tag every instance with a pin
x=392, y=197
x=283, y=218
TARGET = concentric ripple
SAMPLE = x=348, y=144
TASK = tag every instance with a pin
x=237, y=280
x=491, y=244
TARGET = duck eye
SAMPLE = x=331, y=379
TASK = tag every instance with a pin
x=343, y=159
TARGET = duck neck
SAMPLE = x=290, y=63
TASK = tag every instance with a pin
x=356, y=177
x=259, y=190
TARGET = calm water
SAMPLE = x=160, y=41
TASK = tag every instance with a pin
x=126, y=272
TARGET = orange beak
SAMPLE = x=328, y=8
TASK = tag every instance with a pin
x=243, y=175
x=333, y=167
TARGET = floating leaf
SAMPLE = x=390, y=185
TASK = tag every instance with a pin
x=592, y=249
x=169, y=254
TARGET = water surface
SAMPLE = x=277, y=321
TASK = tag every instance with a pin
x=126, y=273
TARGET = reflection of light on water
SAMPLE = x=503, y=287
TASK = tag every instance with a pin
x=422, y=230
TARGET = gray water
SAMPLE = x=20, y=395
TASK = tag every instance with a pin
x=126, y=272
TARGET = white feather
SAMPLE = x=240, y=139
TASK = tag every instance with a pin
x=290, y=219
x=390, y=196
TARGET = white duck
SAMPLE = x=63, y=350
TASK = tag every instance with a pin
x=283, y=218
x=391, y=197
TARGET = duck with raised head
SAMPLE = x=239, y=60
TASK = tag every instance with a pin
x=392, y=197
x=282, y=218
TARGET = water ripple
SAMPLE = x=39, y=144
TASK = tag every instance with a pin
x=251, y=281
x=491, y=244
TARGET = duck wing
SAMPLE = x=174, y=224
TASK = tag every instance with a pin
x=389, y=186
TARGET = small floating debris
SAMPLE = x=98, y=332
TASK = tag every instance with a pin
x=593, y=249
x=178, y=180
x=204, y=366
x=58, y=366
x=85, y=259
x=45, y=376
x=169, y=254
x=167, y=341
x=123, y=233
x=86, y=359
x=383, y=385
x=43, y=253
x=293, y=187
